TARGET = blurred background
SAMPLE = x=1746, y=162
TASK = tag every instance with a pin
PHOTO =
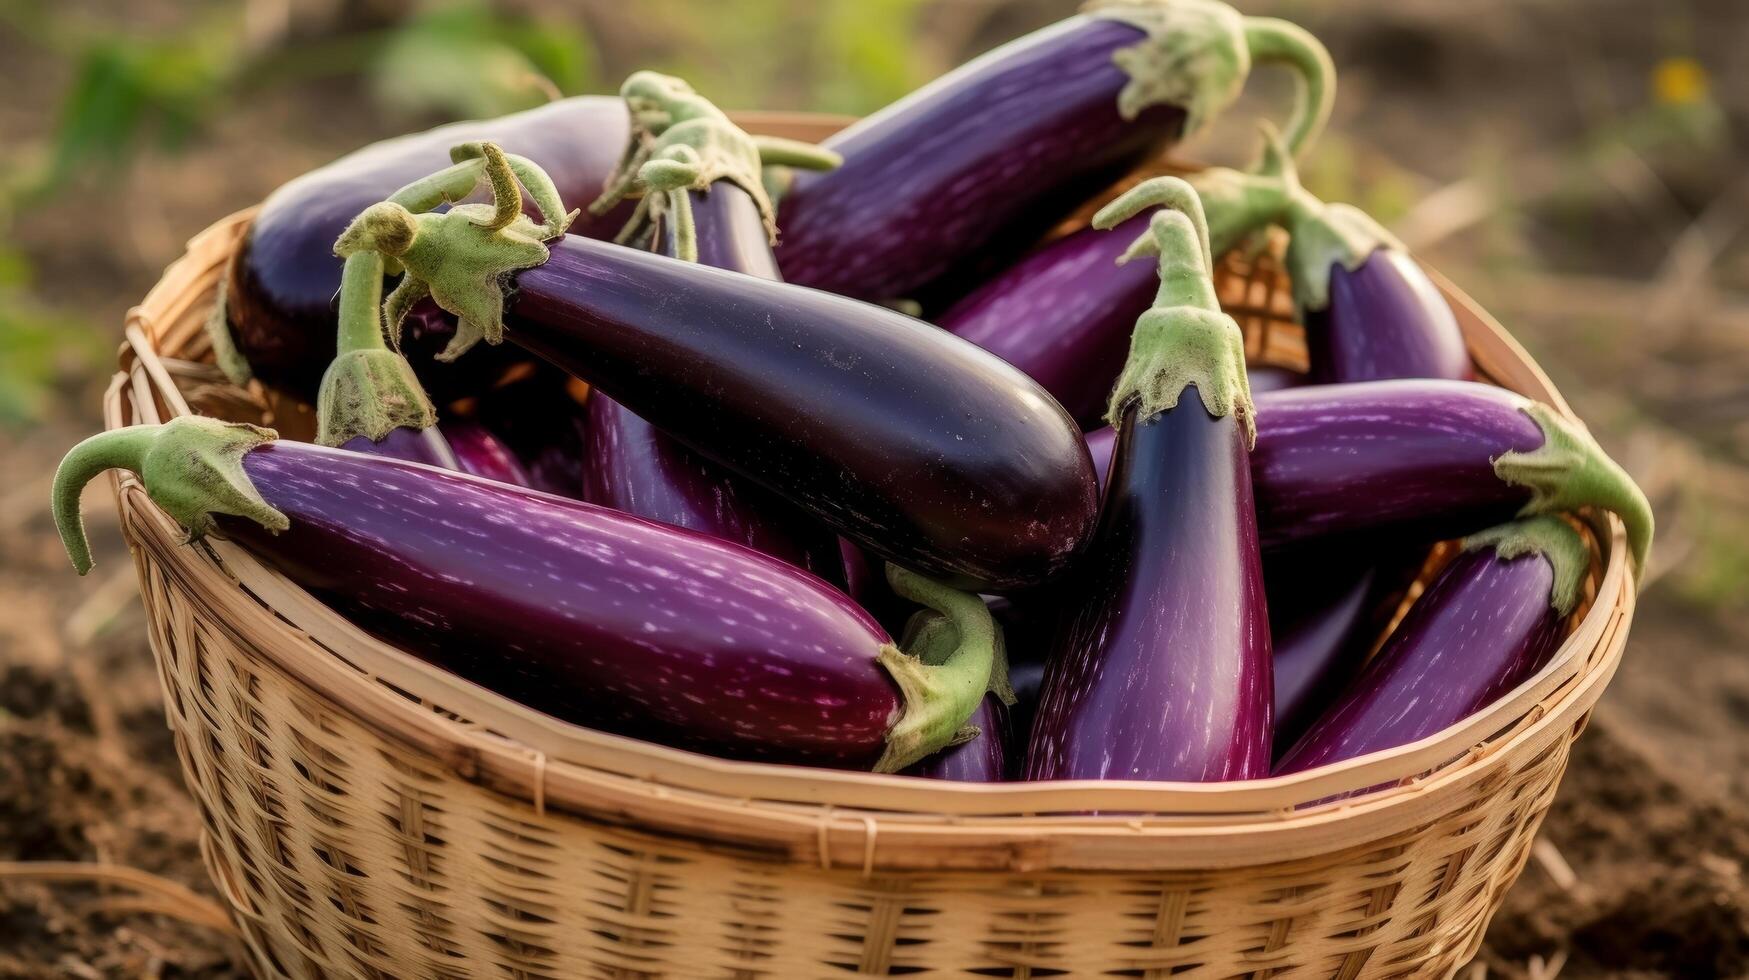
x=1580, y=166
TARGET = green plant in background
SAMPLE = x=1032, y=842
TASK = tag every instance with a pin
x=38, y=347
x=464, y=60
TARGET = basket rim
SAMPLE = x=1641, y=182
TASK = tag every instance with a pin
x=836, y=815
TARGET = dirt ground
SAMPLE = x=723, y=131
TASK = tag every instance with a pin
x=1520, y=146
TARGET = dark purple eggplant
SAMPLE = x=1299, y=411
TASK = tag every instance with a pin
x=1161, y=669
x=1423, y=461
x=702, y=200
x=1002, y=148
x=596, y=617
x=480, y=453
x=276, y=320
x=1063, y=314
x=982, y=753
x=917, y=445
x=1486, y=624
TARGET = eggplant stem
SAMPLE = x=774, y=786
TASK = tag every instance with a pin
x=192, y=467
x=368, y=390
x=447, y=186
x=1274, y=41
x=1553, y=538
x=1569, y=471
x=939, y=697
x=218, y=331
x=681, y=141
x=1239, y=204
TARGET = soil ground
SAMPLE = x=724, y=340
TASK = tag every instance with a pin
x=1526, y=148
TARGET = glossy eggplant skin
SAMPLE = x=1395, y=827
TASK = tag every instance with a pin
x=1063, y=314
x=634, y=467
x=480, y=453
x=281, y=287
x=920, y=447
x=1413, y=457
x=1162, y=669
x=595, y=617
x=1386, y=320
x=1483, y=626
x=993, y=153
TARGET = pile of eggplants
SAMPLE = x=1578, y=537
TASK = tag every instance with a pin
x=618, y=417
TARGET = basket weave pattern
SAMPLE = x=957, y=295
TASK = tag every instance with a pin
x=366, y=815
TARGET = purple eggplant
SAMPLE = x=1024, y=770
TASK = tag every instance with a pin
x=1422, y=461
x=982, y=753
x=593, y=616
x=1162, y=668
x=276, y=320
x=921, y=447
x=702, y=200
x=480, y=453
x=1063, y=314
x=1000, y=149
x=1488, y=623
x=543, y=425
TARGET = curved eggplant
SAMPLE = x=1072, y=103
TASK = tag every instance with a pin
x=1422, y=460
x=1162, y=668
x=1489, y=622
x=919, y=446
x=276, y=321
x=701, y=201
x=1002, y=148
x=593, y=616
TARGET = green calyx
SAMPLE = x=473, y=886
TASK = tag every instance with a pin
x=1551, y=537
x=192, y=467
x=461, y=258
x=1569, y=471
x=368, y=389
x=681, y=142
x=1198, y=54
x=1184, y=339
x=950, y=666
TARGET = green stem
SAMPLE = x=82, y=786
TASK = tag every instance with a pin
x=1551, y=537
x=1274, y=41
x=447, y=186
x=1569, y=471
x=939, y=698
x=218, y=330
x=368, y=390
x=361, y=301
x=191, y=466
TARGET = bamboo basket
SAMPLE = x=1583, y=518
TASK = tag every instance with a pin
x=367, y=815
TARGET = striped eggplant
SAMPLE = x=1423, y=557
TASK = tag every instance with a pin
x=1063, y=313
x=995, y=152
x=1423, y=461
x=276, y=318
x=1486, y=624
x=914, y=444
x=702, y=200
x=596, y=617
x=1161, y=669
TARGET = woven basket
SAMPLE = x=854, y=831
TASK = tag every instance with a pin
x=368, y=815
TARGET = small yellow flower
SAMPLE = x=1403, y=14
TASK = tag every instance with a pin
x=1679, y=82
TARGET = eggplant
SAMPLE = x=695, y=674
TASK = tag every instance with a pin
x=1486, y=624
x=981, y=755
x=596, y=617
x=1162, y=669
x=1427, y=461
x=276, y=317
x=1421, y=461
x=1063, y=314
x=1002, y=148
x=914, y=444
x=702, y=199
x=480, y=453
